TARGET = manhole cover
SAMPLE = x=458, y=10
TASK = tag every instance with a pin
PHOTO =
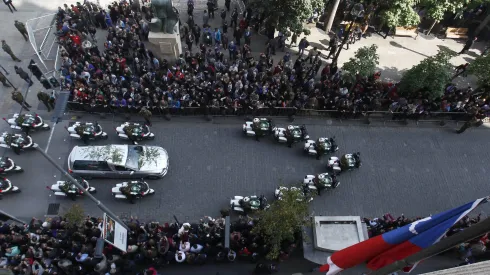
x=53, y=209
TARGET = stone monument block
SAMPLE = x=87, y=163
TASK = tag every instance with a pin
x=165, y=45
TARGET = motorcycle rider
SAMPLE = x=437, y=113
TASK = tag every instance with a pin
x=256, y=128
x=289, y=136
x=127, y=191
x=320, y=148
x=128, y=130
x=13, y=139
x=66, y=187
x=320, y=186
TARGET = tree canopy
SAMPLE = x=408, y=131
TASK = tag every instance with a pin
x=364, y=63
x=481, y=69
x=436, y=9
x=75, y=215
x=286, y=14
x=282, y=221
x=401, y=13
x=429, y=77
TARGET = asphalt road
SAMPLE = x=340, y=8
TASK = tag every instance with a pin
x=416, y=171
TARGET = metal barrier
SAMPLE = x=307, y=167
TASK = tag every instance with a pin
x=40, y=31
x=385, y=116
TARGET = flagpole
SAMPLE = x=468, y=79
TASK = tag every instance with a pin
x=467, y=234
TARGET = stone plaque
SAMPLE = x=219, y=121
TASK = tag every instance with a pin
x=166, y=48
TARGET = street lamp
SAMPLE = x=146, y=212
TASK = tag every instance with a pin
x=356, y=11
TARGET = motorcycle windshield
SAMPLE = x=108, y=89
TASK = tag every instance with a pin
x=89, y=128
x=254, y=203
x=137, y=131
x=264, y=125
x=296, y=133
x=136, y=188
x=29, y=120
x=327, y=181
x=4, y=185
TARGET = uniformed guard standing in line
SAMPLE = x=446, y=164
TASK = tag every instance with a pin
x=3, y=79
x=19, y=98
x=22, y=29
x=8, y=50
x=45, y=99
x=146, y=114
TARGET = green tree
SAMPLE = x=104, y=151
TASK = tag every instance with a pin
x=400, y=13
x=282, y=221
x=75, y=215
x=481, y=69
x=429, y=77
x=363, y=64
x=286, y=14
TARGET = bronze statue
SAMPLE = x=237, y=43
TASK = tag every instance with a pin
x=167, y=16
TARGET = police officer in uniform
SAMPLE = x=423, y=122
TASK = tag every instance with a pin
x=3, y=79
x=23, y=75
x=45, y=98
x=146, y=114
x=320, y=148
x=8, y=50
x=256, y=128
x=289, y=136
x=474, y=121
x=22, y=29
x=19, y=98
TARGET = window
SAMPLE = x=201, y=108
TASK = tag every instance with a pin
x=121, y=168
x=91, y=165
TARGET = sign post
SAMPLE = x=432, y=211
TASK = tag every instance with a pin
x=114, y=233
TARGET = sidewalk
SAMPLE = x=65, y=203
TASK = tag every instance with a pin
x=396, y=55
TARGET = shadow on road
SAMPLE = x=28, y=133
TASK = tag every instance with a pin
x=397, y=45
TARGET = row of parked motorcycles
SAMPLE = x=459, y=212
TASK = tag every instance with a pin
x=311, y=184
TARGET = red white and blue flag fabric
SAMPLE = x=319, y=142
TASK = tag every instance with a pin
x=398, y=244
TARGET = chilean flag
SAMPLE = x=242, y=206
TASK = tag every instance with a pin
x=398, y=244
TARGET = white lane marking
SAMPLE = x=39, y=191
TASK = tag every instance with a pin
x=50, y=137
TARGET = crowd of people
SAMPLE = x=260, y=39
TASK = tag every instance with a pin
x=57, y=246
x=224, y=76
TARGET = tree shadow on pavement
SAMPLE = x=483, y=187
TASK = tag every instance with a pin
x=442, y=47
x=397, y=45
x=318, y=46
x=391, y=74
x=468, y=59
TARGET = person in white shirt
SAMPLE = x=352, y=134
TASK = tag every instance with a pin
x=184, y=246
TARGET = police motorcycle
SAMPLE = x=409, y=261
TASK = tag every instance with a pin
x=86, y=131
x=69, y=189
x=7, y=165
x=291, y=134
x=257, y=127
x=346, y=162
x=7, y=187
x=27, y=122
x=132, y=190
x=134, y=132
x=16, y=142
x=320, y=147
x=301, y=193
x=317, y=183
x=249, y=203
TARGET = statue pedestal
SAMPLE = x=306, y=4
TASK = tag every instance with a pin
x=165, y=45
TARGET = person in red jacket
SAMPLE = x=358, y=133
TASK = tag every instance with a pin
x=151, y=271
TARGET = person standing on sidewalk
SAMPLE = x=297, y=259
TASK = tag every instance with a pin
x=22, y=29
x=10, y=5
x=3, y=79
x=205, y=19
x=303, y=44
x=45, y=99
x=210, y=5
x=6, y=48
x=23, y=75
x=19, y=98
